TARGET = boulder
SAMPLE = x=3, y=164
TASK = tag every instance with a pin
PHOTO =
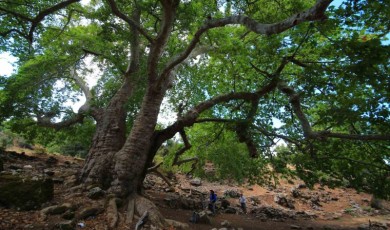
x=233, y=193
x=272, y=213
x=196, y=182
x=283, y=200
x=204, y=218
x=24, y=193
x=96, y=193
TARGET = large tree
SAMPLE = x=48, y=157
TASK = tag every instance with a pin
x=240, y=63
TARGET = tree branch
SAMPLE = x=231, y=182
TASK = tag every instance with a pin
x=169, y=11
x=317, y=12
x=306, y=127
x=128, y=20
x=187, y=146
x=41, y=15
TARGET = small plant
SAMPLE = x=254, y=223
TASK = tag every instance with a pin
x=350, y=211
x=40, y=151
x=367, y=209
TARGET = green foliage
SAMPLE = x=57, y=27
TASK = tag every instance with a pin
x=221, y=156
x=341, y=163
x=73, y=141
x=339, y=70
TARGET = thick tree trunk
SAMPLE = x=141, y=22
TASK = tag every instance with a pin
x=110, y=135
x=130, y=163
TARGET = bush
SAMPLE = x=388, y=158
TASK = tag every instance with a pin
x=75, y=149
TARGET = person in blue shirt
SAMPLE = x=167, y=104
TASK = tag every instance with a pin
x=213, y=199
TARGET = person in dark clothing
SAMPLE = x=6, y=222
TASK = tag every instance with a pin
x=213, y=200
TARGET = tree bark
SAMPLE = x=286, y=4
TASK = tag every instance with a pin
x=131, y=162
x=110, y=135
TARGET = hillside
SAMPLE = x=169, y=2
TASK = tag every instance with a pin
x=286, y=206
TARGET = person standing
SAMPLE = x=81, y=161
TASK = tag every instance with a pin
x=242, y=200
x=212, y=201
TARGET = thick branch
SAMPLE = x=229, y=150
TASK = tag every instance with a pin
x=191, y=116
x=76, y=118
x=317, y=12
x=46, y=122
x=169, y=11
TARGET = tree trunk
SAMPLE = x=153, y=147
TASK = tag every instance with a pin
x=131, y=162
x=110, y=135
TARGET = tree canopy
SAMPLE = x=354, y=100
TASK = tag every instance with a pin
x=240, y=75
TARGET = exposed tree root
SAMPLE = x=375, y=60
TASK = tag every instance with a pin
x=140, y=211
x=155, y=218
x=112, y=213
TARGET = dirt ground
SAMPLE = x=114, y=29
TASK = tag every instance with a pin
x=331, y=215
x=339, y=208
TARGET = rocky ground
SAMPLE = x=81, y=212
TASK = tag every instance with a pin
x=286, y=206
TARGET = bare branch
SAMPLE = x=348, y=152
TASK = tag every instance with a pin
x=154, y=170
x=187, y=146
x=128, y=20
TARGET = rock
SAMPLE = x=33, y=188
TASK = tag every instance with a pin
x=225, y=203
x=96, y=193
x=295, y=192
x=27, y=167
x=58, y=180
x=51, y=161
x=204, y=218
x=170, y=189
x=254, y=200
x=66, y=225
x=295, y=227
x=56, y=209
x=176, y=224
x=301, y=186
x=282, y=200
x=230, y=210
x=372, y=226
x=68, y=215
x=233, y=193
x=272, y=213
x=226, y=223
x=88, y=212
x=23, y=193
x=196, y=182
x=49, y=172
x=14, y=167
